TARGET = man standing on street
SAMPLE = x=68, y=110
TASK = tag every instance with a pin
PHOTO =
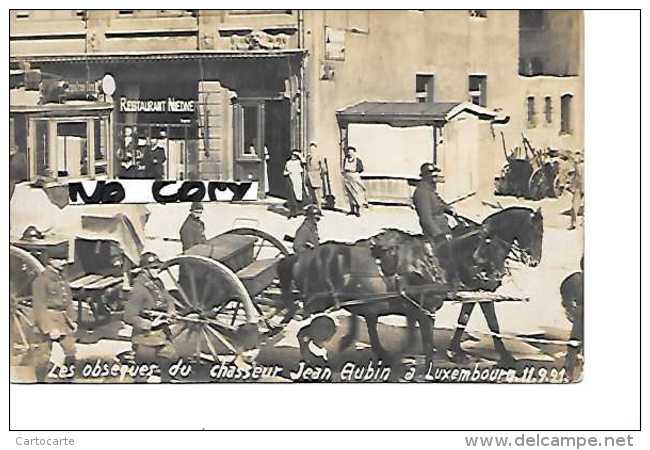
x=193, y=229
x=576, y=188
x=354, y=187
x=431, y=210
x=313, y=178
x=52, y=304
x=148, y=311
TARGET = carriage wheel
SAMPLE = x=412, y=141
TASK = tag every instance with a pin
x=538, y=185
x=216, y=319
x=558, y=187
x=266, y=245
x=267, y=303
x=23, y=268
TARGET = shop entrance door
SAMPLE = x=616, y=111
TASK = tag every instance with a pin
x=278, y=143
x=263, y=144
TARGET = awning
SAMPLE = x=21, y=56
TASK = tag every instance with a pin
x=410, y=114
x=158, y=56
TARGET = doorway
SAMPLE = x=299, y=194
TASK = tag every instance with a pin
x=278, y=142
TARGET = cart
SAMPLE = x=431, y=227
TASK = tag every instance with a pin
x=226, y=290
x=530, y=173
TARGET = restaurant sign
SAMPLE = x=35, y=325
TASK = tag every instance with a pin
x=168, y=105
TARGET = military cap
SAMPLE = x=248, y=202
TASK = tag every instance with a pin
x=31, y=233
x=428, y=168
x=150, y=260
x=312, y=210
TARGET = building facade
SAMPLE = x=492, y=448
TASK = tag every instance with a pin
x=231, y=93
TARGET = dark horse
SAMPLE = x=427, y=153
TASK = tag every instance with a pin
x=394, y=272
x=514, y=232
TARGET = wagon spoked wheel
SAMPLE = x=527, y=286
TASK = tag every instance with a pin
x=558, y=187
x=23, y=269
x=266, y=245
x=537, y=186
x=215, y=319
x=267, y=302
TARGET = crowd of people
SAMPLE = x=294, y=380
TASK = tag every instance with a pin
x=142, y=158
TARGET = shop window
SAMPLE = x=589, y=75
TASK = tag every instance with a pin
x=101, y=147
x=424, y=85
x=251, y=123
x=478, y=13
x=41, y=149
x=478, y=89
x=72, y=149
x=565, y=114
x=548, y=109
x=530, y=112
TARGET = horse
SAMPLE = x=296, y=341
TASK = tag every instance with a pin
x=394, y=272
x=516, y=233
x=369, y=278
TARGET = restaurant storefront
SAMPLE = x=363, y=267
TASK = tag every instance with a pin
x=232, y=116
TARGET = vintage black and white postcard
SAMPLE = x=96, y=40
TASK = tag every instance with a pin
x=204, y=196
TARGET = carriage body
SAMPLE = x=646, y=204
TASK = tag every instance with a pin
x=224, y=289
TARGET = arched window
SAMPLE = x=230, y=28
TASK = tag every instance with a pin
x=566, y=126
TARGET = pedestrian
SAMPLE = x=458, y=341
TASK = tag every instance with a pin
x=154, y=160
x=294, y=170
x=354, y=187
x=432, y=210
x=572, y=293
x=576, y=188
x=307, y=238
x=149, y=311
x=314, y=181
x=193, y=229
x=52, y=305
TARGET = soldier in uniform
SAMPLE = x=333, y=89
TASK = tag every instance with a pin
x=148, y=311
x=431, y=210
x=307, y=234
x=52, y=304
x=193, y=229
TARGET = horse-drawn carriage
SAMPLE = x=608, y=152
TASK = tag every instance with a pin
x=531, y=173
x=238, y=287
x=223, y=289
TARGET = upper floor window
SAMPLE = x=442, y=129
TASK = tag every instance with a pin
x=548, y=109
x=478, y=89
x=424, y=88
x=566, y=127
x=482, y=13
x=531, y=114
